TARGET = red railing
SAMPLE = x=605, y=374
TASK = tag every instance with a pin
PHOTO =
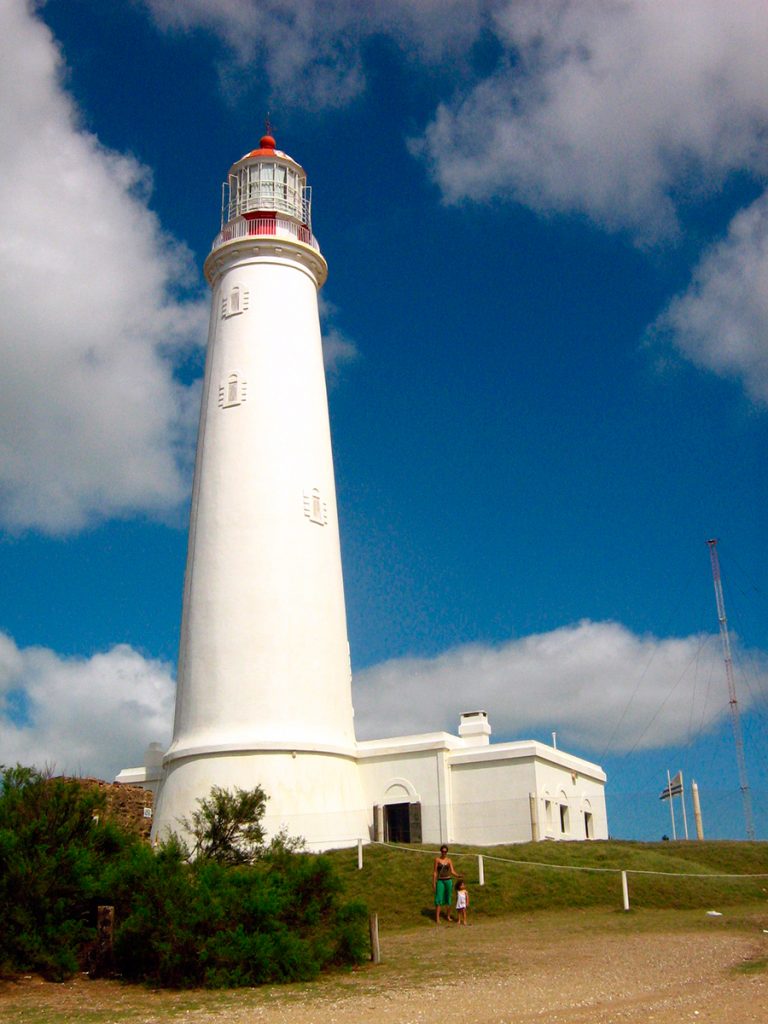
x=274, y=226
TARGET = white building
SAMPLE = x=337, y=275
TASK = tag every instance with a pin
x=264, y=681
x=438, y=787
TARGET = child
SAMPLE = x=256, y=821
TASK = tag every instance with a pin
x=462, y=901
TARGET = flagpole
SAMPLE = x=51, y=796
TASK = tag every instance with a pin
x=682, y=798
x=671, y=803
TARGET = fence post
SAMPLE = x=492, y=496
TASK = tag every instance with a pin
x=480, y=870
x=359, y=854
x=373, y=925
x=625, y=889
x=102, y=960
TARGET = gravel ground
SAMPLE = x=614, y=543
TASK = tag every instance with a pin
x=552, y=968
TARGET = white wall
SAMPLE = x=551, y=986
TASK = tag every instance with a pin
x=481, y=795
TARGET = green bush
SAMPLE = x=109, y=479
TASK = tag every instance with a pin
x=52, y=854
x=177, y=924
x=207, y=924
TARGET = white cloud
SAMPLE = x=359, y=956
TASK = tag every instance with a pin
x=721, y=321
x=613, y=110
x=596, y=684
x=84, y=716
x=338, y=349
x=314, y=51
x=307, y=49
x=92, y=422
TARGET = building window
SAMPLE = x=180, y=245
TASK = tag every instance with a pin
x=564, y=822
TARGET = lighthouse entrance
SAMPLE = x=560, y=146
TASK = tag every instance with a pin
x=402, y=823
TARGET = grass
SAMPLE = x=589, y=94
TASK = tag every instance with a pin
x=757, y=966
x=547, y=903
x=396, y=882
x=420, y=958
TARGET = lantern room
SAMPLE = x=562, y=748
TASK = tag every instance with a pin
x=264, y=183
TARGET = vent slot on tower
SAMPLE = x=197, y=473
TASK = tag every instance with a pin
x=233, y=390
x=234, y=302
x=315, y=509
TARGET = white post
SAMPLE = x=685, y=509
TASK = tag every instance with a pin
x=682, y=798
x=697, y=811
x=671, y=803
x=480, y=870
x=625, y=889
x=359, y=854
x=534, y=811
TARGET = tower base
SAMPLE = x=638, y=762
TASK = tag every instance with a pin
x=315, y=795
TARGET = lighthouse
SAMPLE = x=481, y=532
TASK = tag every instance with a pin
x=264, y=692
x=264, y=679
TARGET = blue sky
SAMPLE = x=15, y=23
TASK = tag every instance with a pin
x=546, y=332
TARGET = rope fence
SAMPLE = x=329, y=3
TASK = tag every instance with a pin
x=623, y=872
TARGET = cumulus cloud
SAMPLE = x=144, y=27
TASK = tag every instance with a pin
x=92, y=422
x=338, y=349
x=313, y=50
x=623, y=112
x=596, y=684
x=721, y=321
x=82, y=716
x=614, y=110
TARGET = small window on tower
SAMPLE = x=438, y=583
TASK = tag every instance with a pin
x=235, y=301
x=232, y=391
x=315, y=508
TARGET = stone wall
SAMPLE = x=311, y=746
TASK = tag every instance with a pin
x=125, y=804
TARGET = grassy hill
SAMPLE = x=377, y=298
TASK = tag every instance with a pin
x=396, y=882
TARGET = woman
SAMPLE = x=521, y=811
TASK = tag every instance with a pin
x=442, y=883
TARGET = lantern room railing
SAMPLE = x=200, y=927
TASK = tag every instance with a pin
x=268, y=226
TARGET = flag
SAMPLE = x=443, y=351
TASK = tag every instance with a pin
x=675, y=787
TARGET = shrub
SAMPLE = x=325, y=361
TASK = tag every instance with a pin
x=227, y=826
x=177, y=924
x=52, y=854
x=206, y=924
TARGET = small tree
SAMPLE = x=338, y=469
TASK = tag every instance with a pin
x=52, y=855
x=227, y=827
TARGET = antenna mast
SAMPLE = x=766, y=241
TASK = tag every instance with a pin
x=732, y=701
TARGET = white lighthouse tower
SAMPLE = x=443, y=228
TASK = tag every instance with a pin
x=264, y=681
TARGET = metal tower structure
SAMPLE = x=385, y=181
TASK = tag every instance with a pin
x=732, y=700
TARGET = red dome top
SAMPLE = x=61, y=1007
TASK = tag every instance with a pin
x=266, y=147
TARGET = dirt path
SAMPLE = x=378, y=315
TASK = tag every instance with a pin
x=554, y=968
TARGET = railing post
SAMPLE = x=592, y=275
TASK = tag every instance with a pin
x=625, y=889
x=480, y=870
x=359, y=854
